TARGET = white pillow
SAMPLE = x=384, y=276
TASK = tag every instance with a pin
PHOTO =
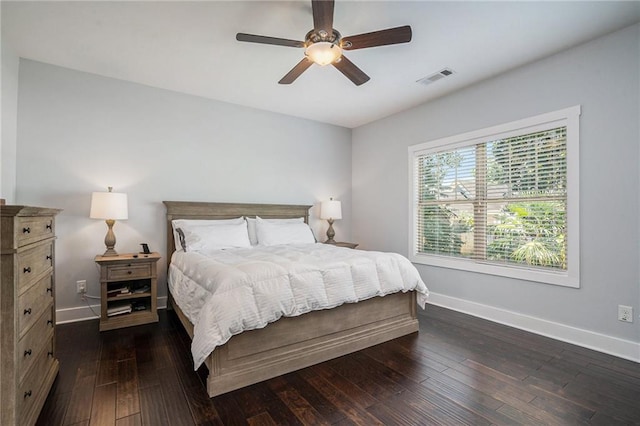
x=271, y=234
x=253, y=235
x=216, y=237
x=186, y=224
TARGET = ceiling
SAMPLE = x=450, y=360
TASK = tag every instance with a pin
x=190, y=47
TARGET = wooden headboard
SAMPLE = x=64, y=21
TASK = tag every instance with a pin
x=201, y=210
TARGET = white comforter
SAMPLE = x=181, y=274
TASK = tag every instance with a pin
x=226, y=292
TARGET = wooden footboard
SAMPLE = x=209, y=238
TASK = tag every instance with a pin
x=293, y=343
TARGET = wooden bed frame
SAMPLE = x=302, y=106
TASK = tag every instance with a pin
x=290, y=344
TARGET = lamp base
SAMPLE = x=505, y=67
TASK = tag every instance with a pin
x=110, y=239
x=330, y=233
x=109, y=252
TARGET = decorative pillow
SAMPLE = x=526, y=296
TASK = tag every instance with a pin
x=251, y=222
x=271, y=234
x=186, y=224
x=183, y=242
x=216, y=237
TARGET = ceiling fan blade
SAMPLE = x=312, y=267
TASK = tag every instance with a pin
x=252, y=38
x=323, y=15
x=377, y=38
x=352, y=72
x=296, y=71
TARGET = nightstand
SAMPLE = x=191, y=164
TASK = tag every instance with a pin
x=128, y=289
x=344, y=244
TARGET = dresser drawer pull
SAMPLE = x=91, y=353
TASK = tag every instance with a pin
x=49, y=290
x=27, y=311
x=49, y=226
x=49, y=257
x=27, y=352
x=50, y=322
x=50, y=354
x=26, y=230
x=26, y=270
x=129, y=272
x=27, y=394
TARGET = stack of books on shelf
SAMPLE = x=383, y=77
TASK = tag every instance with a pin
x=120, y=291
x=144, y=289
x=118, y=309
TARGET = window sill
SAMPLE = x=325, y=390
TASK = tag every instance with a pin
x=563, y=279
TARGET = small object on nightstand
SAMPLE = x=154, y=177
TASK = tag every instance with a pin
x=344, y=244
x=128, y=291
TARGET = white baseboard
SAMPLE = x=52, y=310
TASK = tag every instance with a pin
x=621, y=348
x=84, y=313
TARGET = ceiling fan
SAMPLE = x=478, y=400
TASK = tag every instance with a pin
x=324, y=45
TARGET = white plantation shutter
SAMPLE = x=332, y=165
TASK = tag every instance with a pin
x=498, y=199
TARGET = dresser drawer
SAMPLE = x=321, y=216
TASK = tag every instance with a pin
x=32, y=229
x=33, y=263
x=32, y=343
x=125, y=272
x=33, y=302
x=32, y=384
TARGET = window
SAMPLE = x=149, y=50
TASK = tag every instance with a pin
x=502, y=200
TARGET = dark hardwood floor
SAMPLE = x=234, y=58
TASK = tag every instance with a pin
x=457, y=370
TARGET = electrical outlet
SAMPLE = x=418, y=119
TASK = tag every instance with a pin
x=81, y=286
x=625, y=313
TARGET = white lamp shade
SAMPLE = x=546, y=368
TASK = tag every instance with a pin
x=109, y=205
x=331, y=209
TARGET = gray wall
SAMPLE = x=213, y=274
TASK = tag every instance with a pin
x=80, y=133
x=603, y=77
x=9, y=95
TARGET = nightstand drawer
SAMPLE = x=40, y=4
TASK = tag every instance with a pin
x=33, y=263
x=33, y=302
x=32, y=229
x=32, y=343
x=131, y=271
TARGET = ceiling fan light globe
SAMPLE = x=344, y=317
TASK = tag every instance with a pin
x=323, y=52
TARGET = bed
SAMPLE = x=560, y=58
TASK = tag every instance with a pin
x=290, y=343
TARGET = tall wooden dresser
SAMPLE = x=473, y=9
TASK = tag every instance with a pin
x=28, y=365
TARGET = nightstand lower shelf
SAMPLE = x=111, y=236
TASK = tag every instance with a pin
x=128, y=320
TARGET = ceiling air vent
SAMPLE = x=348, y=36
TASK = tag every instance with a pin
x=446, y=72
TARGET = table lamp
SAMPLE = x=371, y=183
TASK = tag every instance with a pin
x=110, y=206
x=330, y=210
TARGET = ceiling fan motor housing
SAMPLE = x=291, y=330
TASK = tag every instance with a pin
x=315, y=36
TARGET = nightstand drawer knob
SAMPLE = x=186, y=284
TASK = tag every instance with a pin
x=27, y=311
x=27, y=270
x=49, y=290
x=50, y=322
x=50, y=226
x=50, y=354
x=27, y=394
x=49, y=257
x=26, y=230
x=129, y=272
x=27, y=352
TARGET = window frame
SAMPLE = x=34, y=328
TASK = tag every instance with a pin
x=568, y=117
